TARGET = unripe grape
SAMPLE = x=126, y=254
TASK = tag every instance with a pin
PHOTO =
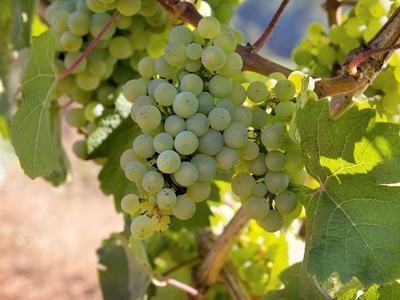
x=142, y=227
x=272, y=222
x=209, y=27
x=184, y=208
x=130, y=204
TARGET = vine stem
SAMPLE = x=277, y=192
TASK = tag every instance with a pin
x=209, y=270
x=264, y=38
x=89, y=48
x=363, y=56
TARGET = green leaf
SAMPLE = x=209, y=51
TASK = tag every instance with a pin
x=121, y=275
x=112, y=178
x=290, y=280
x=353, y=223
x=387, y=292
x=22, y=17
x=31, y=132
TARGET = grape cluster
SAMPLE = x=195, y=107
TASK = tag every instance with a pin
x=94, y=84
x=271, y=161
x=195, y=120
x=323, y=52
x=190, y=113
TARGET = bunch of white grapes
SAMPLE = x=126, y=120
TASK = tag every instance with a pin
x=323, y=52
x=194, y=120
x=95, y=82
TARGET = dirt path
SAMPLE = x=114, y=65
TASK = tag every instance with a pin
x=49, y=236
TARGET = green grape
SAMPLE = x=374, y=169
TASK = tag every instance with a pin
x=128, y=7
x=224, y=12
x=123, y=22
x=175, y=54
x=59, y=21
x=86, y=81
x=242, y=115
x=135, y=170
x=193, y=51
x=206, y=167
x=276, y=182
x=97, y=23
x=152, y=182
x=209, y=27
x=185, y=104
x=197, y=37
x=168, y=161
x=75, y=117
x=139, y=39
x=284, y=111
x=302, y=57
x=187, y=174
x=143, y=146
x=286, y=202
x=165, y=94
x=260, y=117
x=97, y=68
x=226, y=41
x=163, y=141
x=184, y=208
x=186, y=142
x=294, y=161
x=272, y=222
x=206, y=103
x=219, y=86
x=96, y=6
x=285, y=90
x=273, y=137
x=130, y=204
x=120, y=47
x=257, y=166
x=211, y=142
x=260, y=190
x=81, y=5
x=79, y=23
x=219, y=118
x=235, y=135
x=238, y=93
x=275, y=160
x=146, y=67
x=227, y=158
x=164, y=69
x=51, y=9
x=225, y=103
x=142, y=227
x=213, y=58
x=161, y=222
x=198, y=124
x=191, y=83
x=173, y=125
x=256, y=207
x=80, y=149
x=379, y=8
x=199, y=191
x=93, y=110
x=181, y=34
x=257, y=92
x=193, y=65
x=294, y=214
x=148, y=9
x=153, y=84
x=242, y=185
x=166, y=199
x=127, y=156
x=139, y=103
x=249, y=151
x=70, y=42
x=148, y=117
x=327, y=56
x=233, y=65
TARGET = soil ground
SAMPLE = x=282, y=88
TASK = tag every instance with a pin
x=49, y=236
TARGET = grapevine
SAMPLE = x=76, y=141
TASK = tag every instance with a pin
x=215, y=154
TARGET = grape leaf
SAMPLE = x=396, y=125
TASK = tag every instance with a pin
x=120, y=274
x=353, y=223
x=5, y=56
x=30, y=126
x=387, y=292
x=22, y=17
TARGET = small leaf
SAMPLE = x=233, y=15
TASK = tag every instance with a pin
x=31, y=131
x=353, y=226
x=120, y=274
x=387, y=292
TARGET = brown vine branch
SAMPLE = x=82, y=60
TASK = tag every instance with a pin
x=264, y=38
x=209, y=270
